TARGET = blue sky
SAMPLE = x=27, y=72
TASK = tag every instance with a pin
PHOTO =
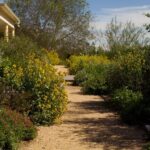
x=96, y=5
x=124, y=10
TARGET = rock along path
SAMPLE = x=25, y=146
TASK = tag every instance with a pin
x=87, y=125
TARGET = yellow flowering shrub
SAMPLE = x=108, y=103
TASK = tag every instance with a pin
x=28, y=81
x=50, y=98
x=77, y=63
x=13, y=76
x=47, y=98
x=53, y=58
x=126, y=71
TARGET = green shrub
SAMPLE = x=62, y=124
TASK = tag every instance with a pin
x=91, y=73
x=146, y=73
x=81, y=76
x=129, y=104
x=146, y=86
x=18, y=48
x=29, y=83
x=131, y=70
x=95, y=79
x=14, y=127
x=41, y=90
x=77, y=63
x=126, y=71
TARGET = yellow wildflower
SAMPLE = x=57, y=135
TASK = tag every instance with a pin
x=14, y=65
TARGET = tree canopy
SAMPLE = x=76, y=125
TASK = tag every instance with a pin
x=55, y=24
x=122, y=36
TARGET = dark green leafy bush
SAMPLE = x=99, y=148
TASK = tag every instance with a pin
x=19, y=48
x=129, y=104
x=146, y=74
x=80, y=77
x=14, y=127
x=23, y=47
x=146, y=86
x=96, y=79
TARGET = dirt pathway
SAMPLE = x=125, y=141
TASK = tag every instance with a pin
x=87, y=125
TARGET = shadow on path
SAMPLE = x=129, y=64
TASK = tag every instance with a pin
x=100, y=125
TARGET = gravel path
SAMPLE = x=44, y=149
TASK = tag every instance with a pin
x=87, y=125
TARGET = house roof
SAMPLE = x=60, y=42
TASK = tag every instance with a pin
x=6, y=9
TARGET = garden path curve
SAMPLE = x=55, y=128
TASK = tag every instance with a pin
x=87, y=125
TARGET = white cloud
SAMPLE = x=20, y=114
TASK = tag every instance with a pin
x=134, y=14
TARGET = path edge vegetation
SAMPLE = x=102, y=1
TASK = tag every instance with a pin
x=31, y=90
x=34, y=93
